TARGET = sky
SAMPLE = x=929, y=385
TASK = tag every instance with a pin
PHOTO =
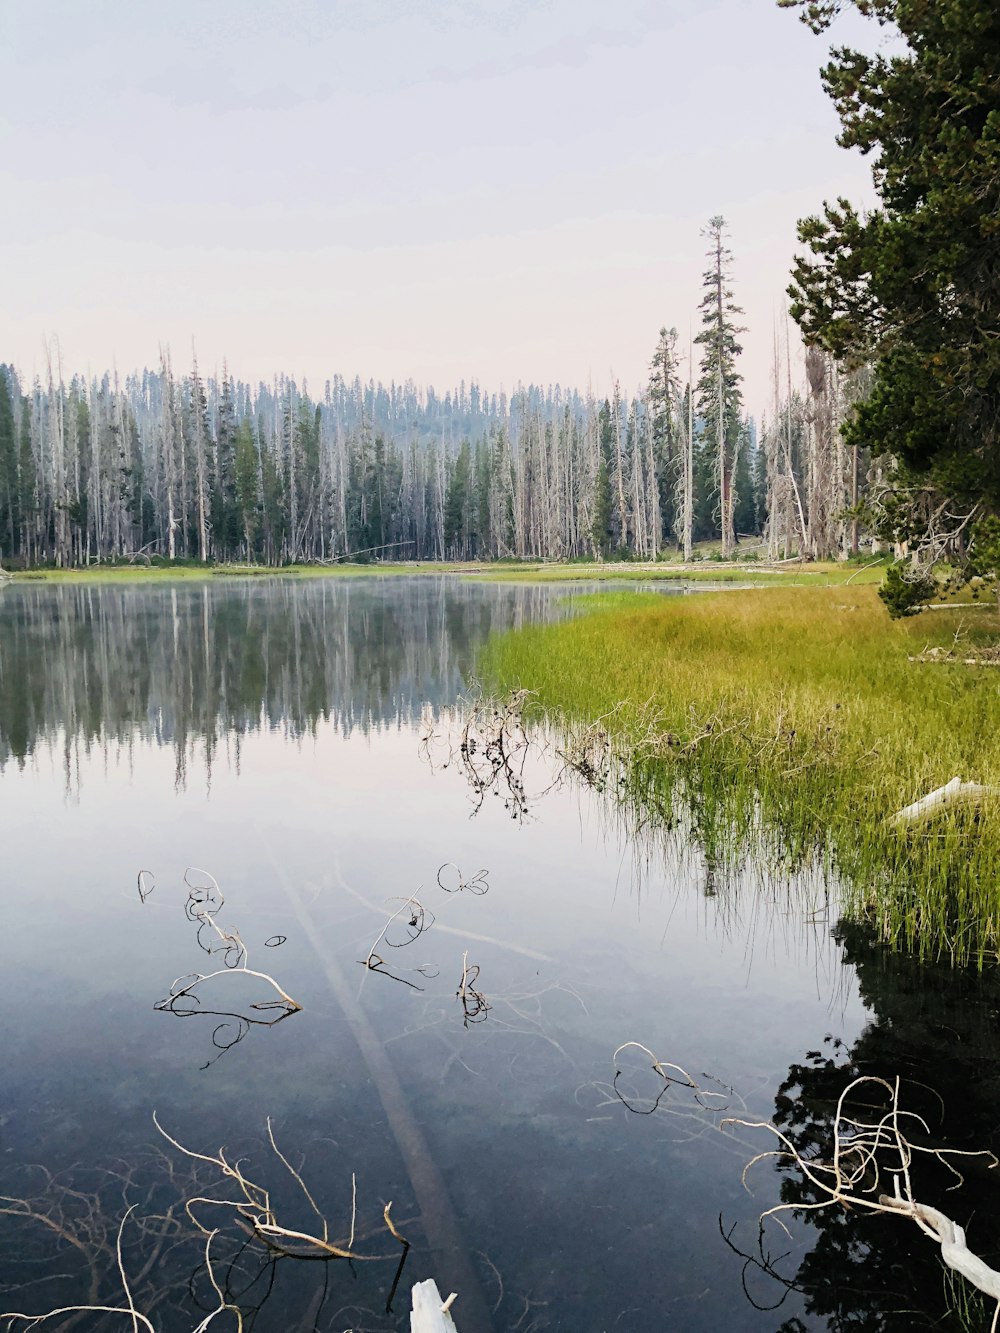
x=435, y=190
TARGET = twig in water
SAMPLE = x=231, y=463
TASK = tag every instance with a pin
x=187, y=995
x=137, y=1318
x=253, y=1211
x=477, y=885
x=474, y=1004
x=418, y=920
x=671, y=1076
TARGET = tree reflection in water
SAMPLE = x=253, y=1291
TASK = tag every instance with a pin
x=936, y=1028
x=196, y=666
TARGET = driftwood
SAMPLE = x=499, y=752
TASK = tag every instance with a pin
x=951, y=1237
x=955, y=792
x=866, y=1152
x=430, y=1313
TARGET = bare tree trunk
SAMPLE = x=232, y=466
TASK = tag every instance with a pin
x=619, y=467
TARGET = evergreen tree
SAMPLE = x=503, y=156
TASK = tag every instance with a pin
x=199, y=434
x=27, y=484
x=247, y=499
x=913, y=287
x=457, y=503
x=602, y=527
x=663, y=397
x=719, y=400
x=226, y=527
x=747, y=507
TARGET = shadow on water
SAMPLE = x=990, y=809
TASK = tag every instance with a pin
x=936, y=1028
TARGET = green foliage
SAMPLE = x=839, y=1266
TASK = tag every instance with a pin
x=984, y=558
x=914, y=286
x=793, y=723
x=458, y=501
x=246, y=498
x=663, y=399
x=748, y=511
x=603, y=527
x=903, y=593
x=719, y=398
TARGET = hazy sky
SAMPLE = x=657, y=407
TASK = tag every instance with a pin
x=428, y=189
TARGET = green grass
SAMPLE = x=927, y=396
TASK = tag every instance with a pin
x=819, y=574
x=160, y=573
x=790, y=722
x=707, y=571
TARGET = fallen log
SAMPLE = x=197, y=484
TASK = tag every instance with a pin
x=955, y=792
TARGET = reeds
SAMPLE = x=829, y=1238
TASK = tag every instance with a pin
x=793, y=724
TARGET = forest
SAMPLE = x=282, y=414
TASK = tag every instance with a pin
x=164, y=465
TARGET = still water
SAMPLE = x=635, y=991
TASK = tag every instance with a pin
x=453, y=1048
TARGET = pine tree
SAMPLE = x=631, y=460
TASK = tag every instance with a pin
x=719, y=401
x=913, y=287
x=663, y=395
x=246, y=469
x=226, y=527
x=602, y=527
x=200, y=436
x=457, y=503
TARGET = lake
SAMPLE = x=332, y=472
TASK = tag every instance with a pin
x=451, y=1042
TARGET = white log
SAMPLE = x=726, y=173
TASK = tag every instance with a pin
x=951, y=1237
x=954, y=792
x=430, y=1314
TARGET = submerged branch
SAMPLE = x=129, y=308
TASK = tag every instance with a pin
x=865, y=1150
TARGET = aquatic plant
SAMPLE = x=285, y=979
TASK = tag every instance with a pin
x=794, y=724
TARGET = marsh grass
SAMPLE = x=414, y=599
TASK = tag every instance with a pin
x=526, y=571
x=814, y=574
x=791, y=723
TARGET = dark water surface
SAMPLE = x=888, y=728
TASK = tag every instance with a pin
x=293, y=740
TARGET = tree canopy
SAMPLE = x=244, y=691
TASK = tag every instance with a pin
x=913, y=287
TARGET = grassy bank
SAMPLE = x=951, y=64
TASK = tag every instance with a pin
x=706, y=571
x=792, y=720
x=161, y=573
x=819, y=574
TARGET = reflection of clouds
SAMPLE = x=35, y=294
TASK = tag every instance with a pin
x=199, y=666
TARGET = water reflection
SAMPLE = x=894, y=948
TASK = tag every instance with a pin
x=198, y=666
x=485, y=1104
x=937, y=1029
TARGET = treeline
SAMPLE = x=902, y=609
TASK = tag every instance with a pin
x=213, y=469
